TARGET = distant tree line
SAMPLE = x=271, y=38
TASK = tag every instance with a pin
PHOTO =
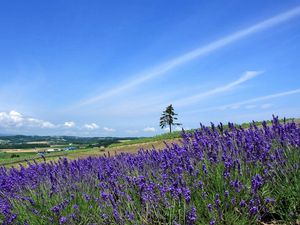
x=23, y=146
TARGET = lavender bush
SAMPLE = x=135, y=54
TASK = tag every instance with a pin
x=216, y=176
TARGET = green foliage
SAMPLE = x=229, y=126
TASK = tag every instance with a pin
x=168, y=118
x=14, y=155
x=11, y=157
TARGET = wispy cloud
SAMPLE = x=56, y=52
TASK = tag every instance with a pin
x=69, y=124
x=203, y=50
x=261, y=106
x=91, y=126
x=250, y=106
x=107, y=129
x=262, y=98
x=249, y=103
x=227, y=87
x=149, y=129
x=156, y=105
x=266, y=106
x=235, y=107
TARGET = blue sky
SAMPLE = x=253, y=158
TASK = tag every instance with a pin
x=96, y=68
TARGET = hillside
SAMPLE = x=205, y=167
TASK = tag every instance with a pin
x=215, y=176
x=91, y=147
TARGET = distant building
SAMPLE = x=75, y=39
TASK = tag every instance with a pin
x=41, y=153
x=70, y=148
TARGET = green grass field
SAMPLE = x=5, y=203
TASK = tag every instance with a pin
x=7, y=161
x=10, y=157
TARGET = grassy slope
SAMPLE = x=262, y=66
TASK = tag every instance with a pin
x=283, y=191
x=157, y=142
x=177, y=134
x=84, y=153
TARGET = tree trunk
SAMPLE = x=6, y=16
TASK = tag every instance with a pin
x=170, y=128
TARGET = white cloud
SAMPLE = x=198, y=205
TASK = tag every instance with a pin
x=248, y=75
x=32, y=122
x=46, y=124
x=109, y=129
x=15, y=116
x=91, y=126
x=16, y=119
x=203, y=50
x=69, y=124
x=176, y=128
x=149, y=129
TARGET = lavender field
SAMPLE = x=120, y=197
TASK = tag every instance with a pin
x=215, y=176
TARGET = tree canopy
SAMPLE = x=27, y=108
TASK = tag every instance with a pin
x=168, y=118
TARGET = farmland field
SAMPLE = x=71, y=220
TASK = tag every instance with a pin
x=29, y=155
x=214, y=175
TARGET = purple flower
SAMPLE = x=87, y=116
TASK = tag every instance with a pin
x=253, y=210
x=104, y=196
x=269, y=200
x=192, y=216
x=130, y=216
x=104, y=216
x=217, y=200
x=210, y=207
x=11, y=219
x=187, y=194
x=31, y=201
x=226, y=194
x=256, y=183
x=148, y=182
x=242, y=203
x=116, y=215
x=200, y=184
x=212, y=222
x=86, y=197
x=55, y=209
x=204, y=169
x=233, y=201
x=251, y=202
x=63, y=220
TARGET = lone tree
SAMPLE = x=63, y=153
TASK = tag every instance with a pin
x=168, y=117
